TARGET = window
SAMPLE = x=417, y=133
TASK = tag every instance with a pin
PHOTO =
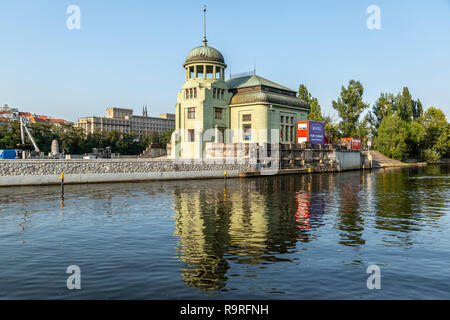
x=200, y=72
x=218, y=113
x=281, y=133
x=282, y=119
x=221, y=96
x=247, y=134
x=214, y=93
x=221, y=136
x=191, y=135
x=209, y=72
x=195, y=92
x=246, y=117
x=217, y=73
x=191, y=94
x=187, y=94
x=292, y=120
x=191, y=113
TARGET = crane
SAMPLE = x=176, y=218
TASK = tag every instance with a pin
x=24, y=129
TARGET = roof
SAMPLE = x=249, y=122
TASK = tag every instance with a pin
x=254, y=80
x=204, y=53
x=267, y=97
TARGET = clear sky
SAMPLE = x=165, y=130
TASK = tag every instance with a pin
x=130, y=53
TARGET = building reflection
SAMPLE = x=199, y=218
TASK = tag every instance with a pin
x=245, y=222
x=350, y=221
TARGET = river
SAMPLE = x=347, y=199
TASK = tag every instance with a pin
x=275, y=237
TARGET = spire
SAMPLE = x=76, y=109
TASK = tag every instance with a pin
x=204, y=26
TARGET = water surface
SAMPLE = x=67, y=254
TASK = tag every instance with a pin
x=283, y=237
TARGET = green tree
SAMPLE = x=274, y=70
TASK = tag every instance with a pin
x=408, y=108
x=437, y=129
x=315, y=112
x=331, y=128
x=392, y=136
x=384, y=106
x=349, y=106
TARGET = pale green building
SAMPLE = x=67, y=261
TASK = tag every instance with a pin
x=248, y=109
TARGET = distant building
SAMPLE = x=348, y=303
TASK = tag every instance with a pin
x=170, y=116
x=8, y=114
x=123, y=120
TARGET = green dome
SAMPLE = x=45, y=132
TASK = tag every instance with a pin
x=204, y=53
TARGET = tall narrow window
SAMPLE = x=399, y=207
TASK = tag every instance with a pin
x=247, y=132
x=221, y=96
x=214, y=93
x=195, y=92
x=191, y=113
x=191, y=93
x=217, y=73
x=221, y=136
x=187, y=93
x=218, y=113
x=191, y=135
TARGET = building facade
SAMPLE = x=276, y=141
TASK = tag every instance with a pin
x=123, y=120
x=248, y=109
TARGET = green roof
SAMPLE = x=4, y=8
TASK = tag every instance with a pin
x=204, y=53
x=254, y=80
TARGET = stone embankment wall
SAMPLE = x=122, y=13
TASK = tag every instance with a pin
x=287, y=159
x=32, y=172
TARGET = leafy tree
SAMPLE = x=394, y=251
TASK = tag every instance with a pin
x=315, y=113
x=437, y=129
x=166, y=136
x=384, y=106
x=331, y=128
x=349, y=107
x=408, y=108
x=363, y=129
x=392, y=136
x=416, y=133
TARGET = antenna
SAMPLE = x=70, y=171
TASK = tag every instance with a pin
x=254, y=65
x=204, y=26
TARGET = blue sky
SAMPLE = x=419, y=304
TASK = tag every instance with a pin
x=130, y=53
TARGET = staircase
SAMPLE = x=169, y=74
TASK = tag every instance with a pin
x=379, y=160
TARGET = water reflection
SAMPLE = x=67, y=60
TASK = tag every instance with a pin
x=266, y=220
x=246, y=222
x=237, y=229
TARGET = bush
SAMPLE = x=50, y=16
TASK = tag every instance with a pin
x=431, y=156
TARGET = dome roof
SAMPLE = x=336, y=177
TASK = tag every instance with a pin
x=204, y=53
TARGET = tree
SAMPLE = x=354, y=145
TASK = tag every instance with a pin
x=408, y=108
x=437, y=136
x=392, y=136
x=384, y=106
x=349, y=106
x=331, y=128
x=363, y=129
x=315, y=113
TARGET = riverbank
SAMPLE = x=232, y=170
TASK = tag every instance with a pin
x=48, y=172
